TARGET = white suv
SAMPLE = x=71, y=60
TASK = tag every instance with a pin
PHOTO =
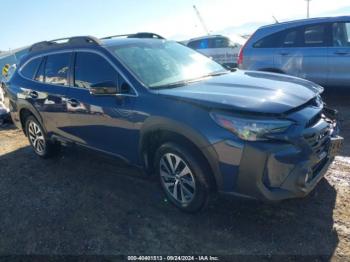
x=220, y=48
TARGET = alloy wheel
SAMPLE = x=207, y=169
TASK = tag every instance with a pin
x=36, y=137
x=177, y=178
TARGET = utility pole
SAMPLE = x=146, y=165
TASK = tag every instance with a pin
x=201, y=20
x=308, y=8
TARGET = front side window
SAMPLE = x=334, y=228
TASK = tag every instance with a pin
x=57, y=68
x=93, y=69
x=161, y=63
x=341, y=34
x=30, y=68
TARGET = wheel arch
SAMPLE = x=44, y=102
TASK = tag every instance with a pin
x=25, y=111
x=158, y=130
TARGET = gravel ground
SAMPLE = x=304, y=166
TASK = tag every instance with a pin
x=83, y=203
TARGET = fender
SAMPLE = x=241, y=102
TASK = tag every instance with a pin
x=157, y=123
x=23, y=104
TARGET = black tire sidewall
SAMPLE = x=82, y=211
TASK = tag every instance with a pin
x=196, y=166
x=45, y=153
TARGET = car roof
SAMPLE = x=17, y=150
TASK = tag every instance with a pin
x=206, y=37
x=123, y=41
x=267, y=30
x=45, y=47
x=91, y=41
x=306, y=21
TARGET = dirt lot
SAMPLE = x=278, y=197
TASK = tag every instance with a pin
x=81, y=203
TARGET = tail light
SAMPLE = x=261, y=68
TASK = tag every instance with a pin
x=240, y=54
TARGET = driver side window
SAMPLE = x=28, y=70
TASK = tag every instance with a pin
x=91, y=69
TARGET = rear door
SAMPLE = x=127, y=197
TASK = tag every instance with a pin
x=339, y=55
x=260, y=55
x=303, y=52
x=48, y=91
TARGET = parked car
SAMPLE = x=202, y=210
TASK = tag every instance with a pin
x=7, y=73
x=176, y=114
x=220, y=48
x=316, y=49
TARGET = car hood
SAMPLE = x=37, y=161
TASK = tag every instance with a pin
x=248, y=91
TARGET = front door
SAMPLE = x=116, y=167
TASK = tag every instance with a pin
x=103, y=122
x=339, y=55
x=303, y=53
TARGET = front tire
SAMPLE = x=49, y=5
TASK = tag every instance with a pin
x=183, y=177
x=38, y=139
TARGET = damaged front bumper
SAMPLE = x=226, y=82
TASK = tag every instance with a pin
x=276, y=170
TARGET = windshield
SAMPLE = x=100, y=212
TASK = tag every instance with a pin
x=161, y=63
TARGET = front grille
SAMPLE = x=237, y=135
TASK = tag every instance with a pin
x=314, y=120
x=319, y=141
x=316, y=169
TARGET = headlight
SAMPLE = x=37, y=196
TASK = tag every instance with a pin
x=251, y=129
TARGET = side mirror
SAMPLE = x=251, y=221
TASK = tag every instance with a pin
x=104, y=88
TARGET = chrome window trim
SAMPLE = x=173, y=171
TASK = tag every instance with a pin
x=73, y=50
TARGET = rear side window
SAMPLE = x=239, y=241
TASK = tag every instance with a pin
x=219, y=42
x=290, y=38
x=29, y=70
x=92, y=69
x=193, y=44
x=215, y=42
x=199, y=44
x=270, y=41
x=315, y=36
x=57, y=68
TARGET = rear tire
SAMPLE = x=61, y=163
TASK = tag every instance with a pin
x=183, y=177
x=38, y=139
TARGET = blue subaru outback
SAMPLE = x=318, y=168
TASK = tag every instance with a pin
x=176, y=114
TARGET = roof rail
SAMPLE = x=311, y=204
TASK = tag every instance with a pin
x=75, y=40
x=136, y=35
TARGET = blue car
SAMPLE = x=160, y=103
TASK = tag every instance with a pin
x=316, y=49
x=178, y=115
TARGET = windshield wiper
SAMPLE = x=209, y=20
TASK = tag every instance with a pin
x=173, y=85
x=219, y=73
x=185, y=82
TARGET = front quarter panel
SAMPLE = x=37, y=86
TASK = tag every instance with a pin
x=159, y=112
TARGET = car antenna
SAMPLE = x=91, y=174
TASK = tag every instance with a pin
x=274, y=18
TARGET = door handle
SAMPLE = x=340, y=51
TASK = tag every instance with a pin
x=33, y=94
x=73, y=102
x=341, y=53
